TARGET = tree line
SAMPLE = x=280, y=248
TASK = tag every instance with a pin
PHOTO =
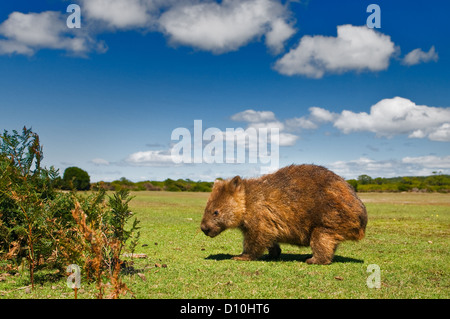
x=437, y=182
x=75, y=178
x=170, y=185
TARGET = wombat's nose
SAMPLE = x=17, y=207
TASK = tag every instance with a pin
x=205, y=229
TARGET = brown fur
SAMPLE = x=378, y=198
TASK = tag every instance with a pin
x=305, y=205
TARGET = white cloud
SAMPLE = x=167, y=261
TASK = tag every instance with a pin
x=287, y=139
x=363, y=165
x=203, y=24
x=418, y=56
x=265, y=119
x=441, y=134
x=273, y=124
x=228, y=25
x=100, y=162
x=150, y=158
x=301, y=123
x=398, y=115
x=33, y=29
x=407, y=166
x=387, y=118
x=173, y=157
x=27, y=33
x=215, y=26
x=11, y=46
x=280, y=32
x=116, y=13
x=253, y=116
x=435, y=163
x=356, y=48
x=123, y=14
x=317, y=116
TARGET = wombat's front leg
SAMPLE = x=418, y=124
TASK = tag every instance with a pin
x=245, y=257
x=274, y=251
x=253, y=248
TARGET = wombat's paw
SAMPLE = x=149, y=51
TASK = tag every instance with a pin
x=242, y=257
x=274, y=252
x=316, y=261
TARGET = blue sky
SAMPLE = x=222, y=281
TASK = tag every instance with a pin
x=354, y=99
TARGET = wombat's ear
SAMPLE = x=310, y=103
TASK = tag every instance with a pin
x=218, y=182
x=235, y=183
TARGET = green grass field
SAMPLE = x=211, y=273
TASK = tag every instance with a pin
x=407, y=237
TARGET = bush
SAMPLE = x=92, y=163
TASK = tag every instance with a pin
x=103, y=237
x=76, y=178
x=28, y=202
x=148, y=186
x=51, y=229
x=202, y=187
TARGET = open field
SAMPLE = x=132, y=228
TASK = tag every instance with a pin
x=407, y=236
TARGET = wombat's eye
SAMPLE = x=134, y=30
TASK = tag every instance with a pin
x=216, y=213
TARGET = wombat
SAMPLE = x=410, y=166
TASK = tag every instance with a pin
x=304, y=205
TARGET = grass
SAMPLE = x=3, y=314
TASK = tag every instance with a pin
x=407, y=237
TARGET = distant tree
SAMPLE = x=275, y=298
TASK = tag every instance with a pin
x=76, y=178
x=202, y=187
x=437, y=179
x=123, y=183
x=126, y=181
x=378, y=181
x=364, y=179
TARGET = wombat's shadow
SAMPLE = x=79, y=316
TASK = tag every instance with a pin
x=289, y=257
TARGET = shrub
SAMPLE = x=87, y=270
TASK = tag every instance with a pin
x=28, y=201
x=52, y=229
x=76, y=178
x=104, y=237
x=202, y=187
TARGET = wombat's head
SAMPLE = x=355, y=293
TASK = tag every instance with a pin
x=225, y=207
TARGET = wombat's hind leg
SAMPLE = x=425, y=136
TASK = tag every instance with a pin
x=274, y=251
x=323, y=245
